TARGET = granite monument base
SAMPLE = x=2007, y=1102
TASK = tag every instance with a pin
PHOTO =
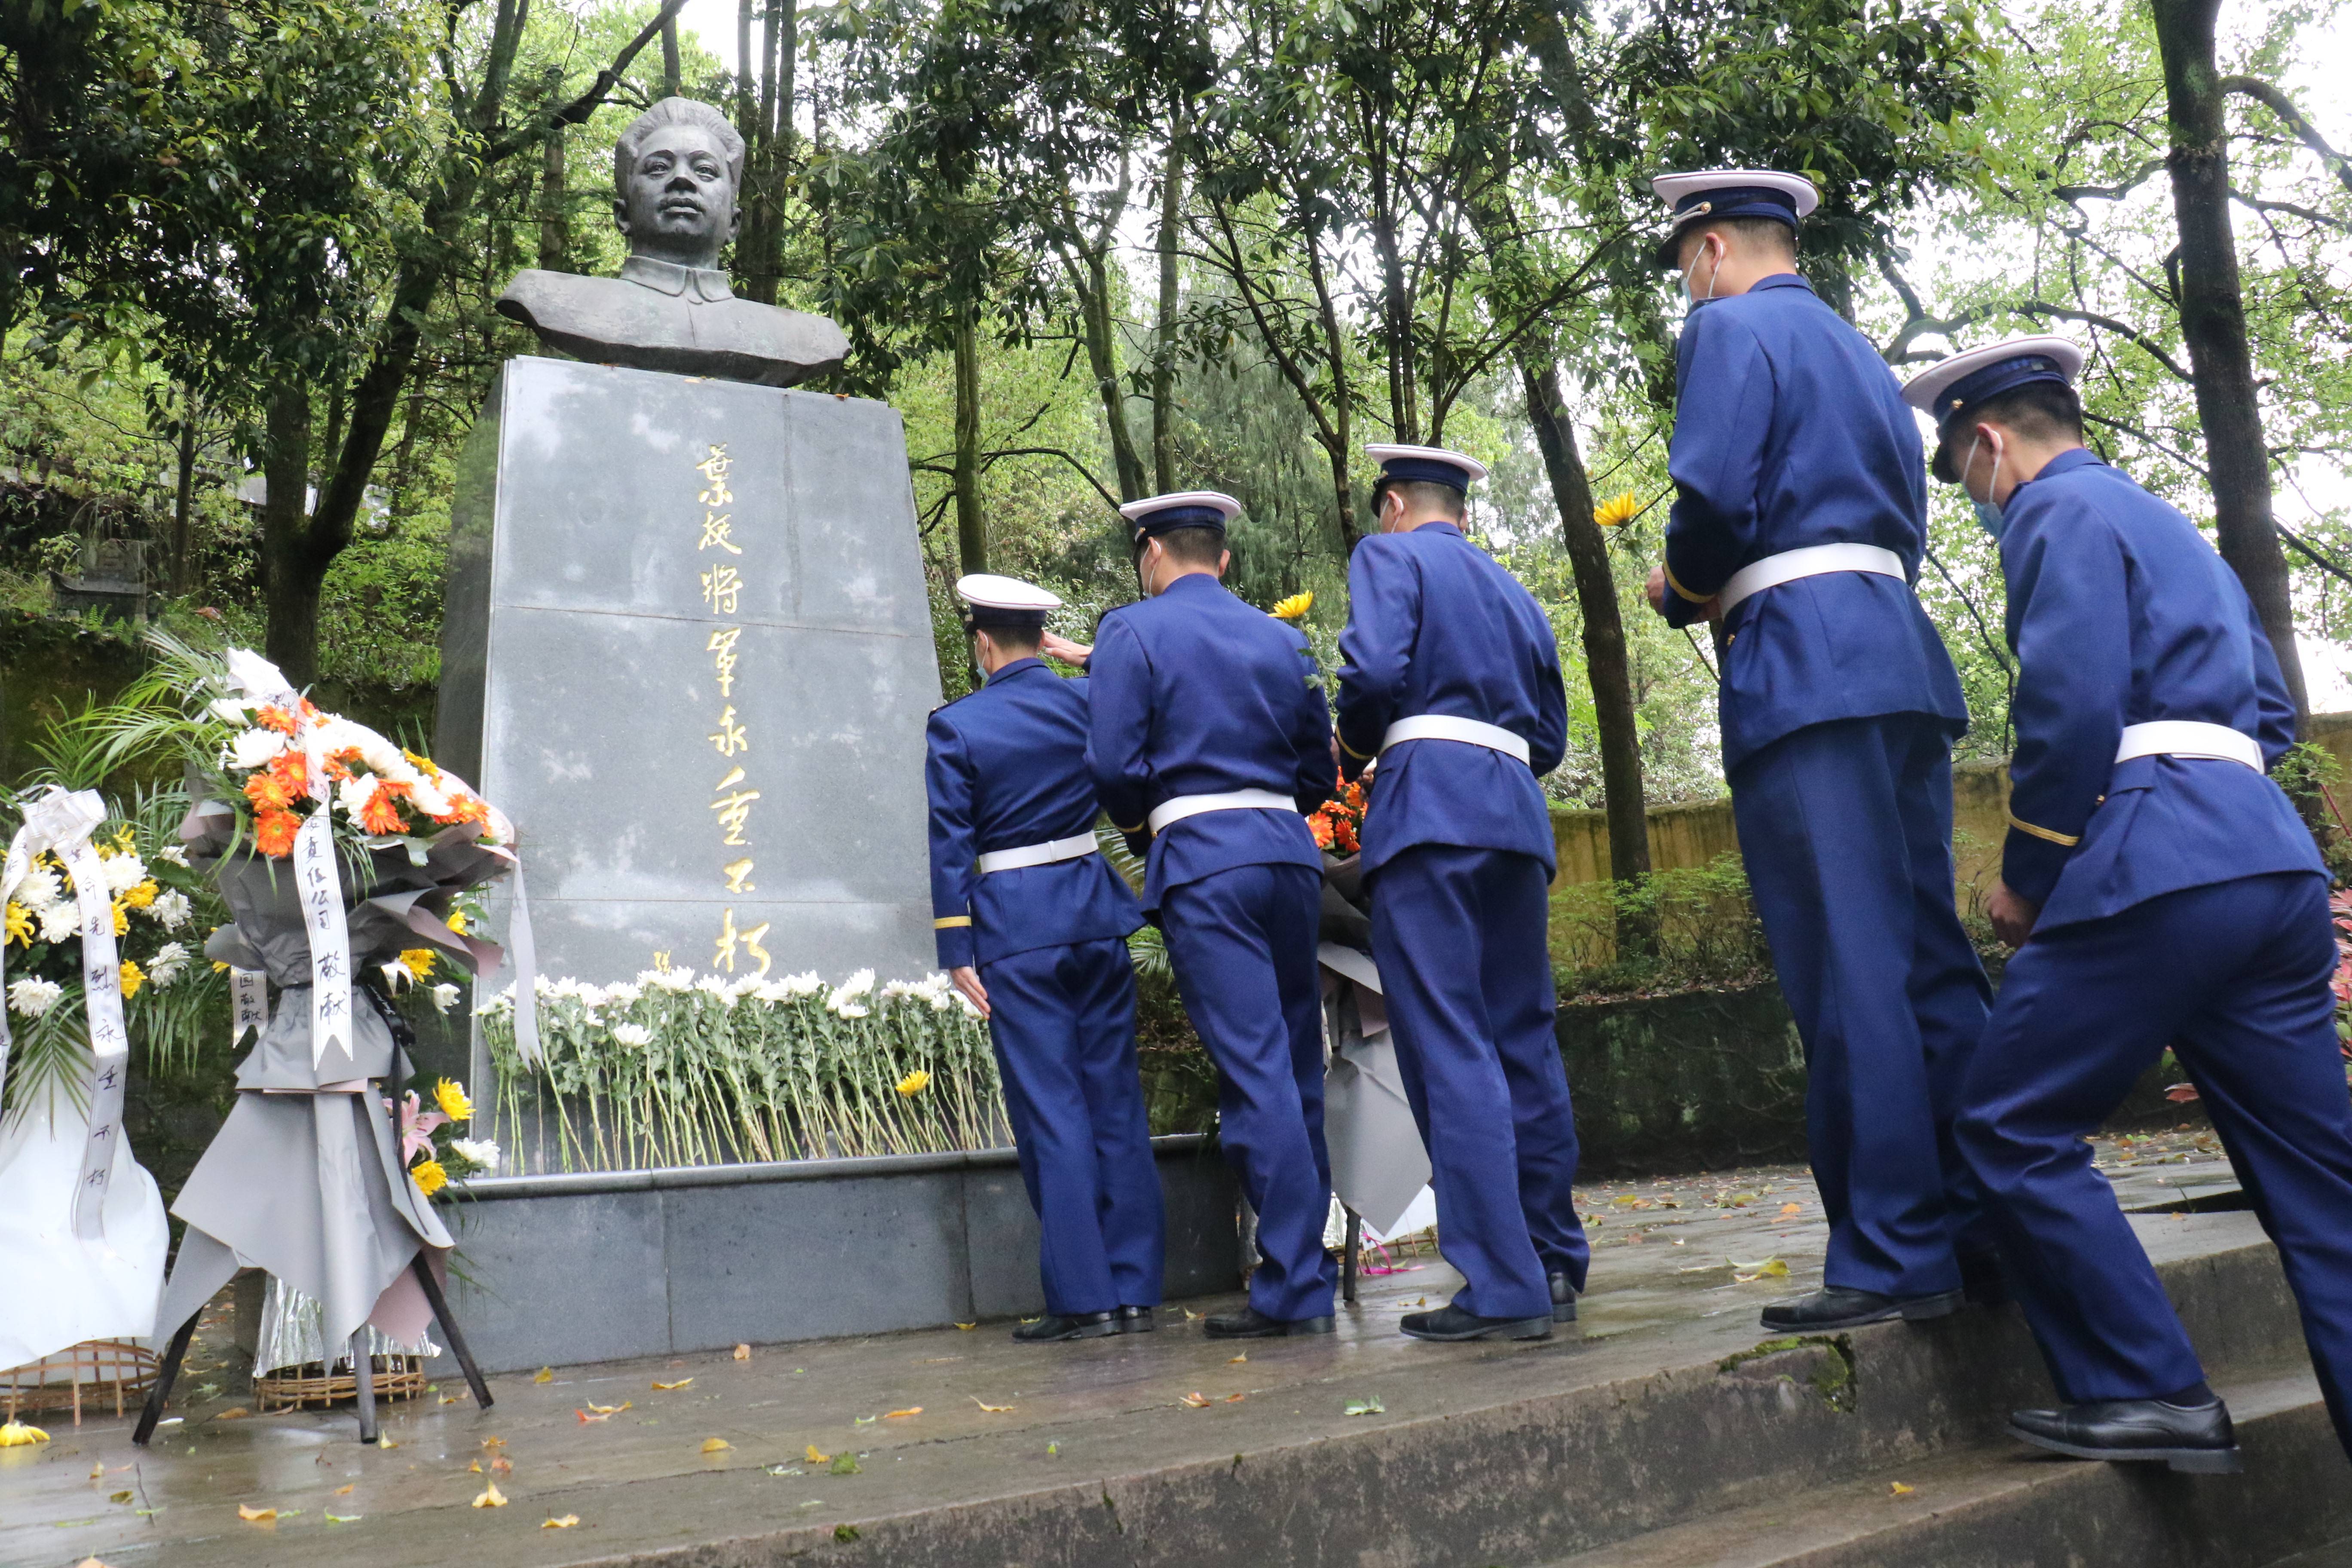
x=605, y=1265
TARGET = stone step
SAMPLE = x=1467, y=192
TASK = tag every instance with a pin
x=2008, y=1507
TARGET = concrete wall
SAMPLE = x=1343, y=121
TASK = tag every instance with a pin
x=1692, y=835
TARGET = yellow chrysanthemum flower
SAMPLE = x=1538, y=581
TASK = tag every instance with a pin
x=422, y=764
x=914, y=1083
x=122, y=919
x=457, y=921
x=428, y=1175
x=139, y=897
x=452, y=1101
x=1616, y=511
x=123, y=843
x=1294, y=607
x=418, y=961
x=20, y=925
x=131, y=979
x=16, y=1434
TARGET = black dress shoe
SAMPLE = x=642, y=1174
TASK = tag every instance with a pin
x=1835, y=1307
x=1449, y=1324
x=2195, y=1438
x=1981, y=1281
x=1053, y=1327
x=1563, y=1300
x=1136, y=1320
x=1249, y=1323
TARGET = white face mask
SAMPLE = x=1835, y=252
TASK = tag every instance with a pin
x=1690, y=293
x=1988, y=512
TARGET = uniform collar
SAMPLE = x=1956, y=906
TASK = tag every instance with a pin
x=1015, y=667
x=2066, y=462
x=1454, y=529
x=1207, y=581
x=669, y=277
x=1780, y=280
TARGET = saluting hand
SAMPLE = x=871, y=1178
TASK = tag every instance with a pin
x=2012, y=917
x=966, y=979
x=1065, y=650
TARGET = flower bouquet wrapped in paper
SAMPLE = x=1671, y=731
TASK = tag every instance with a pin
x=99, y=910
x=341, y=857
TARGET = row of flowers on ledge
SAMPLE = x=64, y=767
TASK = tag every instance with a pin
x=680, y=1069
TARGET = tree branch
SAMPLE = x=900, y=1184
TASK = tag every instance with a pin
x=2278, y=103
x=2107, y=323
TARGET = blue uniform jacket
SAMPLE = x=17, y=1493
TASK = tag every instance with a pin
x=1006, y=767
x=1197, y=693
x=1789, y=431
x=2121, y=613
x=1436, y=626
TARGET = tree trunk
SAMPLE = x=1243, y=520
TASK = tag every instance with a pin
x=183, y=497
x=1605, y=663
x=554, y=238
x=1163, y=362
x=2213, y=325
x=1102, y=359
x=759, y=252
x=670, y=81
x=289, y=577
x=971, y=530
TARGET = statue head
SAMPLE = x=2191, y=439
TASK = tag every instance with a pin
x=675, y=172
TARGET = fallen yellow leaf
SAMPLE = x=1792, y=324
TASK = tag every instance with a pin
x=742, y=1352
x=475, y=1465
x=715, y=1445
x=494, y=1442
x=252, y=1515
x=119, y=1497
x=239, y=1413
x=98, y=1470
x=566, y=1522
x=1792, y=1208
x=1197, y=1401
x=1237, y=1361
x=384, y=1440
x=544, y=1374
x=899, y=1415
x=1767, y=1269
x=502, y=1466
x=991, y=1409
x=967, y=1328
x=1235, y=1398
x=345, y=1490
x=817, y=1459
x=492, y=1497
x=681, y=1383
x=1901, y=1490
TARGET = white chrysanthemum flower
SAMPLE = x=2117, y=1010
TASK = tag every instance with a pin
x=31, y=998
x=445, y=996
x=428, y=797
x=173, y=853
x=482, y=1151
x=965, y=1001
x=396, y=977
x=858, y=984
x=799, y=985
x=636, y=1037
x=715, y=985
x=353, y=794
x=122, y=872
x=60, y=921
x=849, y=1010
x=171, y=961
x=170, y=910
x=228, y=711
x=558, y=990
x=772, y=992
x=621, y=993
x=253, y=748
x=40, y=890
x=497, y=1006
x=671, y=980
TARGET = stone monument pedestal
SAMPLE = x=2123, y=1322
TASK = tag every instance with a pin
x=687, y=648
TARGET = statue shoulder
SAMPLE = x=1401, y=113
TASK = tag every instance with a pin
x=570, y=304
x=771, y=331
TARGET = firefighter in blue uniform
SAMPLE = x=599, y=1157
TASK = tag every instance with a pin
x=2160, y=890
x=1451, y=679
x=1799, y=526
x=1032, y=926
x=1210, y=738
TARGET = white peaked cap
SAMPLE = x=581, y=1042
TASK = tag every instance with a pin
x=1927, y=391
x=1406, y=460
x=1673, y=189
x=1136, y=510
x=987, y=590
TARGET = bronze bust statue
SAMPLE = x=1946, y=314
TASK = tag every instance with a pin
x=675, y=172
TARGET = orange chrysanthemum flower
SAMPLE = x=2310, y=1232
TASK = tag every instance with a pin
x=338, y=763
x=1321, y=826
x=381, y=814
x=273, y=833
x=464, y=808
x=267, y=792
x=277, y=719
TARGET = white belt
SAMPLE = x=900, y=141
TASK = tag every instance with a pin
x=2187, y=738
x=1185, y=805
x=1069, y=849
x=1814, y=560
x=1442, y=727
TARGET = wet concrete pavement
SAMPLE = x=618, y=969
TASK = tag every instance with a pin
x=908, y=1422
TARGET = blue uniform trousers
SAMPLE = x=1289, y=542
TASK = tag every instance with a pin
x=1243, y=943
x=2234, y=976
x=1459, y=937
x=1062, y=1021
x=1846, y=829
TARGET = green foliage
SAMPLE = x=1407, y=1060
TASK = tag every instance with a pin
x=1707, y=935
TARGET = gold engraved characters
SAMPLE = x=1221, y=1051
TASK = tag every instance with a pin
x=721, y=648
x=749, y=938
x=723, y=587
